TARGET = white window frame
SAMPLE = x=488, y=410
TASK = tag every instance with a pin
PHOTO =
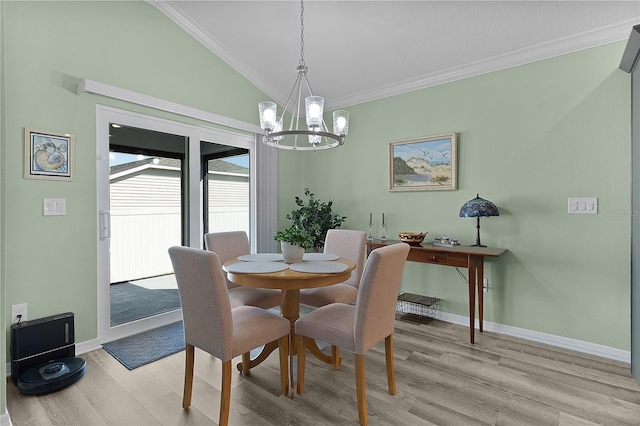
x=195, y=134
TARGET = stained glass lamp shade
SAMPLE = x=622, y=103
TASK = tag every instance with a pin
x=478, y=207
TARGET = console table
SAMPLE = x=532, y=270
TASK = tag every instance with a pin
x=468, y=257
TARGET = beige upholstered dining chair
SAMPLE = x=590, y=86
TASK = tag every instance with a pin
x=344, y=243
x=229, y=245
x=213, y=326
x=358, y=328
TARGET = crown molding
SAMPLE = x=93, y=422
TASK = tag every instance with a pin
x=588, y=39
x=174, y=13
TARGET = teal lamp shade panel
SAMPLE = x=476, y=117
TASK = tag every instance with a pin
x=477, y=208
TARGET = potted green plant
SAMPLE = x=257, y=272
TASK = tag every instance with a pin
x=293, y=242
x=315, y=218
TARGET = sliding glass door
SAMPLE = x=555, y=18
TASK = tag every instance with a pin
x=161, y=183
x=146, y=206
x=227, y=191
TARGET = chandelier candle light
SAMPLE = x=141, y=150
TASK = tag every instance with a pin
x=316, y=129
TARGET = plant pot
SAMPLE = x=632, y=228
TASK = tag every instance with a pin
x=292, y=253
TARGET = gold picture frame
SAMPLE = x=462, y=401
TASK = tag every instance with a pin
x=424, y=164
x=48, y=155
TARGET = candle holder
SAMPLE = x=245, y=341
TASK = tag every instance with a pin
x=370, y=236
x=383, y=237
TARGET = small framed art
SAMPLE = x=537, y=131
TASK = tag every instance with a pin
x=423, y=164
x=48, y=155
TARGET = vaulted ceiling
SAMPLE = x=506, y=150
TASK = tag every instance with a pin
x=359, y=51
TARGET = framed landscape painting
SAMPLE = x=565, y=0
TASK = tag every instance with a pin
x=423, y=164
x=48, y=155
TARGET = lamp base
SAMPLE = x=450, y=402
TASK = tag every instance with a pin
x=477, y=245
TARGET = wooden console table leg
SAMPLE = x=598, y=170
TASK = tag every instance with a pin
x=472, y=297
x=480, y=285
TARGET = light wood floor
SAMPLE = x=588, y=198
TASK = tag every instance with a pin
x=441, y=379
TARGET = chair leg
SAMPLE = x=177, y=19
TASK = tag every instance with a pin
x=391, y=375
x=360, y=390
x=335, y=357
x=246, y=362
x=225, y=395
x=283, y=345
x=188, y=376
x=302, y=360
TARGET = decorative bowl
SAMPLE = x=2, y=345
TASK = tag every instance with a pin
x=412, y=237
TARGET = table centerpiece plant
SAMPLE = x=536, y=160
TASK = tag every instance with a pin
x=293, y=242
x=311, y=221
x=315, y=218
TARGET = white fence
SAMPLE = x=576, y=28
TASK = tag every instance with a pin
x=139, y=241
x=145, y=207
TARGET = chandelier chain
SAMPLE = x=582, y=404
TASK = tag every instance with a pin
x=301, y=32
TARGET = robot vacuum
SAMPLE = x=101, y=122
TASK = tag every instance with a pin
x=51, y=376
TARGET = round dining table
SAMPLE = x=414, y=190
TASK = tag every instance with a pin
x=289, y=282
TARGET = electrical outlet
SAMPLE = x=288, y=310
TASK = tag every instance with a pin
x=16, y=310
x=485, y=285
x=583, y=205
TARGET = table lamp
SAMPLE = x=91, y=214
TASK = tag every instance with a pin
x=477, y=208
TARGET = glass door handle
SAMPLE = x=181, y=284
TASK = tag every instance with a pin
x=105, y=224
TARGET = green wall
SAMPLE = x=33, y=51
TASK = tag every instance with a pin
x=529, y=138
x=2, y=204
x=50, y=47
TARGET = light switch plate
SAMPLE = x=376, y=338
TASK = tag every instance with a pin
x=54, y=207
x=583, y=206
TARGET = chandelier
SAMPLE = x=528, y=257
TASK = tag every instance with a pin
x=315, y=130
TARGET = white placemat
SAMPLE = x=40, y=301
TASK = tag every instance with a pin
x=320, y=256
x=256, y=267
x=261, y=257
x=319, y=267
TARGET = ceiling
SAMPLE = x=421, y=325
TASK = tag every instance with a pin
x=358, y=51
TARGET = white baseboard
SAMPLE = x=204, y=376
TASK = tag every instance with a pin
x=5, y=420
x=87, y=346
x=534, y=336
x=548, y=339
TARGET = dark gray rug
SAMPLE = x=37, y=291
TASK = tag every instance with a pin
x=144, y=348
x=140, y=349
x=130, y=302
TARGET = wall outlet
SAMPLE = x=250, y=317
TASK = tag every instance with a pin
x=16, y=310
x=485, y=285
x=583, y=205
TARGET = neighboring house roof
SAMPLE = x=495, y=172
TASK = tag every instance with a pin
x=217, y=165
